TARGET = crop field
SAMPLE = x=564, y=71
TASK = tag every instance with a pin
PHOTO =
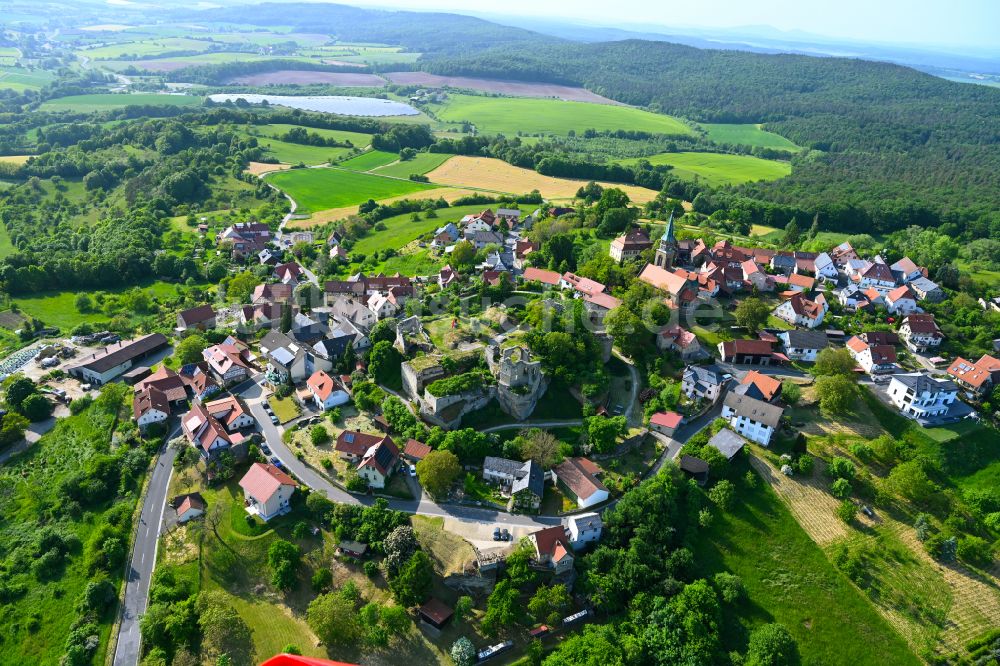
x=487, y=173
x=172, y=64
x=15, y=159
x=306, y=77
x=320, y=189
x=514, y=88
x=522, y=115
x=420, y=164
x=146, y=48
x=370, y=160
x=449, y=194
x=9, y=55
x=747, y=135
x=789, y=580
x=101, y=102
x=19, y=78
x=718, y=168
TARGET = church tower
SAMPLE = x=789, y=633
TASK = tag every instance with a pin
x=667, y=250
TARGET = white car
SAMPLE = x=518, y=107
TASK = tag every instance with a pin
x=413, y=471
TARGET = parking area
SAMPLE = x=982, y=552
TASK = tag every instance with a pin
x=480, y=534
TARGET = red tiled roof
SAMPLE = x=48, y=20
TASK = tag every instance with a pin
x=579, y=475
x=758, y=347
x=262, y=481
x=665, y=419
x=321, y=384
x=150, y=398
x=167, y=381
x=663, y=279
x=356, y=443
x=552, y=542
x=768, y=386
x=533, y=274
x=415, y=449
x=856, y=344
x=803, y=281
x=900, y=293
x=197, y=315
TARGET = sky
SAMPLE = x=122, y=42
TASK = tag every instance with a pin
x=967, y=24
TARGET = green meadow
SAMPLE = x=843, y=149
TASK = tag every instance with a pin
x=370, y=160
x=719, y=168
x=320, y=189
x=102, y=102
x=19, y=78
x=146, y=48
x=402, y=229
x=296, y=153
x=789, y=580
x=747, y=135
x=421, y=164
x=513, y=115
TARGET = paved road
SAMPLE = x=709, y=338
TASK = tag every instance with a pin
x=140, y=570
x=254, y=396
x=633, y=420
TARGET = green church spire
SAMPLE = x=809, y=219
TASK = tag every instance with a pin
x=668, y=233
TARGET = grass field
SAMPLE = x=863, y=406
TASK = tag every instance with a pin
x=173, y=63
x=19, y=78
x=358, y=139
x=14, y=159
x=449, y=194
x=789, y=580
x=401, y=229
x=150, y=47
x=514, y=115
x=747, y=135
x=488, y=173
x=719, y=168
x=296, y=153
x=101, y=102
x=6, y=247
x=59, y=308
x=421, y=164
x=370, y=160
x=320, y=189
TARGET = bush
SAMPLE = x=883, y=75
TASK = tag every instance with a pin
x=371, y=569
x=846, y=511
x=81, y=404
x=862, y=452
x=730, y=587
x=975, y=551
x=321, y=580
x=319, y=435
x=841, y=468
x=722, y=494
x=805, y=464
x=840, y=488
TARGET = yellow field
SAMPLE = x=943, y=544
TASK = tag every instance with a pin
x=488, y=173
x=14, y=159
x=258, y=168
x=332, y=214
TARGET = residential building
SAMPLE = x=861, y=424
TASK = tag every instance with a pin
x=876, y=275
x=630, y=245
x=188, y=507
x=749, y=352
x=727, y=442
x=288, y=359
x=919, y=332
x=696, y=468
x=583, y=529
x=207, y=434
x=229, y=361
x=880, y=338
x=415, y=451
x=523, y=482
x=927, y=290
x=167, y=382
x=875, y=359
x=901, y=301
x=905, y=270
x=578, y=479
x=289, y=273
x=552, y=549
x=383, y=305
x=928, y=400
x=803, y=345
x=977, y=378
x=800, y=282
x=680, y=289
x=551, y=278
x=665, y=423
x=759, y=386
x=325, y=392
x=481, y=239
x=104, y=365
x=267, y=490
x=447, y=276
x=783, y=262
x=684, y=342
x=353, y=445
x=755, y=276
x=272, y=293
x=352, y=309
x=843, y=253
x=800, y=311
x=703, y=382
x=754, y=419
x=521, y=251
x=201, y=318
x=824, y=267
x=379, y=462
x=149, y=406
x=199, y=381
x=509, y=215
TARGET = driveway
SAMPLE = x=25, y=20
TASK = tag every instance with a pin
x=683, y=434
x=140, y=569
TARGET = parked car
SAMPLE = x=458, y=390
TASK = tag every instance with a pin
x=277, y=463
x=265, y=449
x=496, y=534
x=413, y=471
x=505, y=535
x=275, y=420
x=538, y=632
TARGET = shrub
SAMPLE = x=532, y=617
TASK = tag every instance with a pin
x=975, y=550
x=722, y=494
x=840, y=488
x=730, y=586
x=805, y=464
x=846, y=510
x=841, y=468
x=862, y=451
x=319, y=435
x=371, y=569
x=321, y=580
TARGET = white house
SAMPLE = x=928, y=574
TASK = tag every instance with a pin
x=906, y=270
x=577, y=477
x=876, y=275
x=267, y=490
x=680, y=340
x=920, y=397
x=189, y=507
x=584, y=528
x=754, y=419
x=800, y=311
x=901, y=301
x=803, y=345
x=927, y=290
x=873, y=359
x=825, y=267
x=324, y=391
x=703, y=382
x=919, y=332
x=149, y=406
x=378, y=463
x=382, y=306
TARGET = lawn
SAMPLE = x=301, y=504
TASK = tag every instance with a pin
x=789, y=580
x=6, y=247
x=719, y=168
x=402, y=230
x=102, y=102
x=747, y=135
x=320, y=189
x=296, y=153
x=522, y=115
x=357, y=139
x=420, y=164
x=284, y=408
x=146, y=48
x=370, y=160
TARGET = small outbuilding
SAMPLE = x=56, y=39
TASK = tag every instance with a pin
x=696, y=468
x=189, y=506
x=435, y=613
x=727, y=442
x=352, y=549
